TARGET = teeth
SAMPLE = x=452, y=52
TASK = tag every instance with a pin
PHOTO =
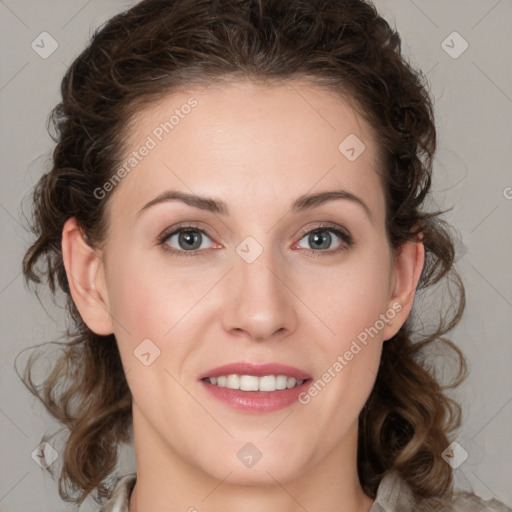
x=267, y=383
x=233, y=382
x=248, y=383
x=253, y=383
x=281, y=381
x=290, y=383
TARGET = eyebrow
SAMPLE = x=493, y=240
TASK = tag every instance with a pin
x=217, y=206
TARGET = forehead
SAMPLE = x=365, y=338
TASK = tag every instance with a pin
x=244, y=142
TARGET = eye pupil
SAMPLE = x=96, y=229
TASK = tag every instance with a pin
x=190, y=239
x=317, y=239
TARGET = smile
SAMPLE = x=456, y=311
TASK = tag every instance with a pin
x=253, y=383
x=255, y=388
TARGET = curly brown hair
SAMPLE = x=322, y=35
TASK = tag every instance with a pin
x=158, y=46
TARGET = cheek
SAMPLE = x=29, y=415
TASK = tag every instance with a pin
x=151, y=318
x=146, y=300
x=349, y=299
x=353, y=303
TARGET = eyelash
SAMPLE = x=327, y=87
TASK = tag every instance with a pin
x=341, y=233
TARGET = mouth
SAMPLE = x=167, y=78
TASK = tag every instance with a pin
x=246, y=387
x=267, y=383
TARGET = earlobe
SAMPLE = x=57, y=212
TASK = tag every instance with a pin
x=408, y=264
x=85, y=274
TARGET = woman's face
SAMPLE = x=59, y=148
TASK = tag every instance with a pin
x=292, y=293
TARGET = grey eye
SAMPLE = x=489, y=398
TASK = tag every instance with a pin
x=188, y=239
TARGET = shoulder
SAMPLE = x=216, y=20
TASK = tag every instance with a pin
x=120, y=498
x=467, y=502
x=394, y=495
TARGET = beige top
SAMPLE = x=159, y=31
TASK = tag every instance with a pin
x=393, y=495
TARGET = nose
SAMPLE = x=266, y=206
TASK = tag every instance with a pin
x=259, y=302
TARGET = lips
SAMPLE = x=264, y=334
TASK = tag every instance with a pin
x=255, y=388
x=257, y=370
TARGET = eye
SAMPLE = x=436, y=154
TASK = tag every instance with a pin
x=190, y=240
x=322, y=238
x=186, y=239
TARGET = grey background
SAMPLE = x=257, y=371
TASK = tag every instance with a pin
x=473, y=102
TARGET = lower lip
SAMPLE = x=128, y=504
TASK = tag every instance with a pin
x=256, y=401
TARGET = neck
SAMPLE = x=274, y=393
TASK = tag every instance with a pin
x=167, y=482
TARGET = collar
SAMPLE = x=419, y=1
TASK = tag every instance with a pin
x=393, y=495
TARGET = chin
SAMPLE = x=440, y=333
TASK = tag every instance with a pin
x=248, y=465
x=259, y=475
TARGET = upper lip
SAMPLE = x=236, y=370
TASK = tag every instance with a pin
x=258, y=370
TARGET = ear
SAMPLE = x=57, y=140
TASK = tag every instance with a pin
x=406, y=271
x=85, y=273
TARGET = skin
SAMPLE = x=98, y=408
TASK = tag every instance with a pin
x=258, y=148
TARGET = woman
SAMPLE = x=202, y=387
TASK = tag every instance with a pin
x=235, y=214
